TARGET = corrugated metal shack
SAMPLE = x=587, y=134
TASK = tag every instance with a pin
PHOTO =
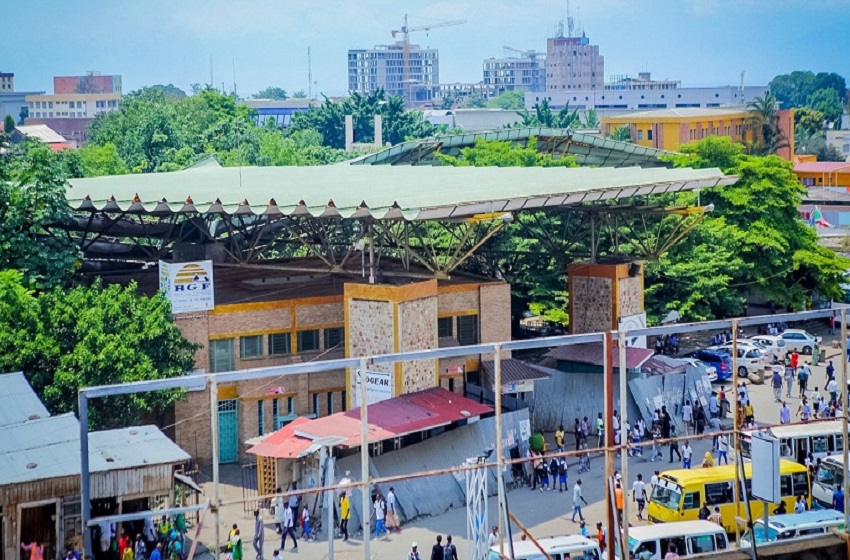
x=131, y=470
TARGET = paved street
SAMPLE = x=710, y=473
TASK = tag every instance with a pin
x=544, y=514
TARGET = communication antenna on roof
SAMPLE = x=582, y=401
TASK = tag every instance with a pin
x=570, y=23
x=741, y=85
x=234, y=78
x=212, y=80
x=309, y=74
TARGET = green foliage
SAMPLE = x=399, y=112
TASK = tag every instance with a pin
x=763, y=123
x=329, y=120
x=101, y=160
x=622, y=134
x=794, y=89
x=8, y=124
x=32, y=197
x=64, y=339
x=508, y=100
x=828, y=103
x=170, y=91
x=591, y=119
x=807, y=121
x=299, y=94
x=493, y=153
x=753, y=241
x=536, y=442
x=475, y=101
x=542, y=116
x=272, y=92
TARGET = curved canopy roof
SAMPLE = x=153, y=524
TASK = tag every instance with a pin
x=380, y=192
x=588, y=149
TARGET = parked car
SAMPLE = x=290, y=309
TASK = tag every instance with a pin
x=709, y=370
x=721, y=361
x=798, y=340
x=775, y=343
x=750, y=357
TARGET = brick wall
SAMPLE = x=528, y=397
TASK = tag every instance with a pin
x=251, y=321
x=630, y=296
x=320, y=314
x=195, y=329
x=418, y=326
x=455, y=302
x=592, y=304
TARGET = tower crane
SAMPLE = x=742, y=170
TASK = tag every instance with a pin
x=532, y=54
x=405, y=32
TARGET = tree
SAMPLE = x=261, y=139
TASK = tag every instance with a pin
x=101, y=160
x=299, y=94
x=448, y=102
x=622, y=133
x=828, y=103
x=514, y=100
x=807, y=121
x=475, y=101
x=271, y=92
x=170, y=91
x=32, y=199
x=8, y=124
x=543, y=117
x=64, y=339
x=495, y=153
x=763, y=124
x=591, y=119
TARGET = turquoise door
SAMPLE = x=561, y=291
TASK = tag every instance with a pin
x=228, y=431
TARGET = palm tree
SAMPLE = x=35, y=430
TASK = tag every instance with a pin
x=591, y=119
x=763, y=124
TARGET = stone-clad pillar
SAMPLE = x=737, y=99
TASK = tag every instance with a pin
x=601, y=295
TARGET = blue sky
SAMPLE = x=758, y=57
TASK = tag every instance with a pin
x=704, y=42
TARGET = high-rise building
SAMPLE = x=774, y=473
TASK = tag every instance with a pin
x=572, y=63
x=13, y=103
x=526, y=73
x=7, y=81
x=383, y=67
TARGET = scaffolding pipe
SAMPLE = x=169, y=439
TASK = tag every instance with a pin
x=735, y=431
x=83, y=404
x=366, y=507
x=214, y=443
x=500, y=478
x=844, y=429
x=624, y=441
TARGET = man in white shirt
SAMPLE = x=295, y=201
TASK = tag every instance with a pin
x=687, y=453
x=379, y=505
x=639, y=495
x=279, y=513
x=392, y=514
x=654, y=480
x=687, y=416
x=832, y=389
x=722, y=449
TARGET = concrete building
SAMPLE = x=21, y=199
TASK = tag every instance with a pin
x=840, y=140
x=667, y=129
x=618, y=101
x=7, y=81
x=132, y=469
x=44, y=133
x=70, y=114
x=383, y=67
x=573, y=64
x=823, y=173
x=279, y=110
x=92, y=82
x=526, y=73
x=643, y=82
x=473, y=120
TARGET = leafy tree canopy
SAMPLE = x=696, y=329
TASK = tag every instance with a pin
x=329, y=120
x=475, y=101
x=508, y=100
x=299, y=94
x=170, y=91
x=828, y=103
x=494, y=153
x=64, y=339
x=794, y=89
x=542, y=116
x=271, y=92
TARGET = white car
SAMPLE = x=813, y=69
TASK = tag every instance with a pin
x=750, y=357
x=710, y=370
x=798, y=340
x=774, y=343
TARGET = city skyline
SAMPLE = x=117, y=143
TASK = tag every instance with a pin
x=267, y=41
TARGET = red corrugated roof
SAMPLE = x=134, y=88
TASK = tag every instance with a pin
x=821, y=166
x=591, y=353
x=396, y=417
x=283, y=444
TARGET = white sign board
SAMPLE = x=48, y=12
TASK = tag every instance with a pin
x=188, y=286
x=380, y=386
x=764, y=452
x=631, y=323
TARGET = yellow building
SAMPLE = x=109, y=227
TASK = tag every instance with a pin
x=667, y=129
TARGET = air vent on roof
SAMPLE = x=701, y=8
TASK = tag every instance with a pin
x=134, y=432
x=33, y=417
x=31, y=465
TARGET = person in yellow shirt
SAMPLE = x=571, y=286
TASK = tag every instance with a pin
x=559, y=438
x=344, y=515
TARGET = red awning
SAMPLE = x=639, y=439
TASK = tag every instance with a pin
x=283, y=444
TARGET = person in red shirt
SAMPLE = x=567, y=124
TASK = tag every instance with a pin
x=795, y=360
x=124, y=543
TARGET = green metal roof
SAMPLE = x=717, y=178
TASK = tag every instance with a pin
x=588, y=149
x=380, y=192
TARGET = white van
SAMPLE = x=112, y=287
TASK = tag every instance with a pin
x=653, y=542
x=794, y=526
x=568, y=547
x=830, y=476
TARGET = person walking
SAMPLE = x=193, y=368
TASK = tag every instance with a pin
x=722, y=449
x=393, y=521
x=414, y=552
x=674, y=445
x=450, y=551
x=789, y=377
x=279, y=507
x=306, y=530
x=830, y=370
x=140, y=551
x=618, y=500
x=559, y=438
x=687, y=453
x=639, y=495
x=713, y=406
x=345, y=516
x=803, y=379
x=379, y=507
x=259, y=537
x=687, y=416
x=784, y=413
x=437, y=550
x=236, y=546
x=578, y=499
x=289, y=530
x=493, y=537
x=804, y=411
x=832, y=389
x=795, y=360
x=704, y=512
x=600, y=430
x=776, y=383
x=838, y=498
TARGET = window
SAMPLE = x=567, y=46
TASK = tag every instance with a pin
x=308, y=341
x=330, y=403
x=649, y=134
x=801, y=481
x=334, y=337
x=275, y=409
x=718, y=493
x=720, y=541
x=221, y=355
x=691, y=501
x=701, y=544
x=467, y=329
x=640, y=134
x=670, y=543
x=250, y=346
x=280, y=344
x=261, y=418
x=315, y=399
x=445, y=326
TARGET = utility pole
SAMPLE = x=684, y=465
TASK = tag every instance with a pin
x=309, y=74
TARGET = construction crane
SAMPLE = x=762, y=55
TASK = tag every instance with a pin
x=405, y=32
x=532, y=54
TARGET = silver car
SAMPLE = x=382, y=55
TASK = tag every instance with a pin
x=798, y=340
